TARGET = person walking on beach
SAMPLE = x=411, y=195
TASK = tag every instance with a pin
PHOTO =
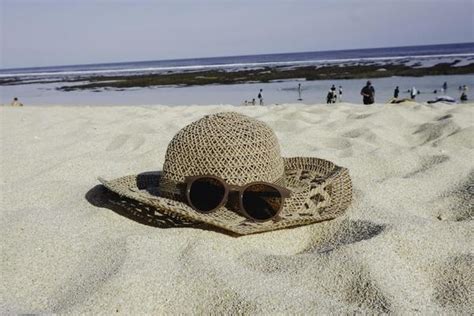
x=15, y=102
x=413, y=93
x=260, y=97
x=299, y=92
x=396, y=92
x=368, y=93
x=340, y=93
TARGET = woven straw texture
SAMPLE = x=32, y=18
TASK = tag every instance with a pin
x=321, y=191
x=240, y=150
x=230, y=145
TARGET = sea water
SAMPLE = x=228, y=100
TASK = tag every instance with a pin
x=273, y=92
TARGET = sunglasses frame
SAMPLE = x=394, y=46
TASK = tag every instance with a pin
x=189, y=180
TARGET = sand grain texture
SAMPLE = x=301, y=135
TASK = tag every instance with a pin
x=404, y=246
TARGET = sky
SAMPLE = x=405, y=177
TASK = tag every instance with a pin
x=64, y=32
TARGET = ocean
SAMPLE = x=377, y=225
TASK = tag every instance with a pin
x=45, y=93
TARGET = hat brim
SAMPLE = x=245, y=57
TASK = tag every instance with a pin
x=320, y=189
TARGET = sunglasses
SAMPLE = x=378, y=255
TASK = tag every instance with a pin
x=258, y=201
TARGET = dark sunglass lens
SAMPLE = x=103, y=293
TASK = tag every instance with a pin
x=261, y=201
x=206, y=194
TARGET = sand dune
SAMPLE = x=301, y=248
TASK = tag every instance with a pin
x=404, y=246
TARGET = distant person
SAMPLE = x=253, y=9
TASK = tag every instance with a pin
x=260, y=97
x=329, y=97
x=368, y=93
x=413, y=93
x=460, y=88
x=463, y=96
x=15, y=102
x=464, y=88
x=299, y=92
x=445, y=86
x=333, y=89
x=253, y=101
x=332, y=95
x=396, y=92
x=340, y=93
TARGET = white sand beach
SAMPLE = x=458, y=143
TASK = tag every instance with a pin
x=403, y=247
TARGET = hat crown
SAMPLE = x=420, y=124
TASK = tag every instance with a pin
x=230, y=145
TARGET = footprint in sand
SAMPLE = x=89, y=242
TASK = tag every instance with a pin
x=362, y=290
x=336, y=235
x=337, y=143
x=363, y=133
x=355, y=285
x=96, y=268
x=359, y=116
x=348, y=232
x=428, y=163
x=432, y=131
x=119, y=141
x=457, y=204
x=454, y=283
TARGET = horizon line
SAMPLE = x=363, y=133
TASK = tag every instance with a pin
x=226, y=56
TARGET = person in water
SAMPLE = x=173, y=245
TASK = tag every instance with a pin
x=332, y=95
x=260, y=97
x=413, y=93
x=15, y=102
x=368, y=93
x=396, y=92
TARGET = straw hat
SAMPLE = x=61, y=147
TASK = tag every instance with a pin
x=240, y=150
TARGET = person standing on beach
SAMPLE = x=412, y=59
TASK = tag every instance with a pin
x=396, y=92
x=340, y=93
x=15, y=102
x=299, y=92
x=260, y=97
x=368, y=93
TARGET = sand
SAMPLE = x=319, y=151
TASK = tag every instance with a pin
x=404, y=246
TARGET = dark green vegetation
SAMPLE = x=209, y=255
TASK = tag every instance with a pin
x=327, y=72
x=268, y=74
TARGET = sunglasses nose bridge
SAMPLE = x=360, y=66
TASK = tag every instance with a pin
x=233, y=187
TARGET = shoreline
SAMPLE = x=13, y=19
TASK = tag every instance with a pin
x=337, y=70
x=281, y=92
x=267, y=75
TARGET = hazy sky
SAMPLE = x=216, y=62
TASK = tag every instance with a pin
x=58, y=32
